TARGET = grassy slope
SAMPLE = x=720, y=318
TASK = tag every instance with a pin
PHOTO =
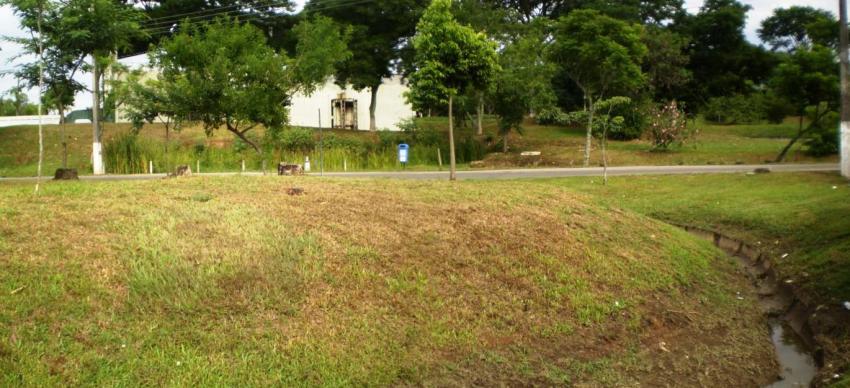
x=560, y=146
x=231, y=281
x=715, y=144
x=806, y=216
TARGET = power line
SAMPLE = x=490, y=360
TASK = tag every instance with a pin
x=247, y=17
x=209, y=12
x=205, y=13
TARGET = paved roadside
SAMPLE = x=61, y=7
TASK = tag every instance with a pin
x=504, y=174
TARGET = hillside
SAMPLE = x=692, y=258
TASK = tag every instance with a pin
x=362, y=150
x=231, y=281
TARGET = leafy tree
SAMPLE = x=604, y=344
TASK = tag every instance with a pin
x=792, y=27
x=150, y=101
x=19, y=101
x=609, y=121
x=450, y=58
x=524, y=83
x=379, y=30
x=164, y=17
x=601, y=55
x=60, y=61
x=652, y=12
x=666, y=62
x=224, y=74
x=808, y=80
x=721, y=60
x=636, y=11
x=98, y=28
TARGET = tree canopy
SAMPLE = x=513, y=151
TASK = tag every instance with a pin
x=450, y=58
x=792, y=27
x=601, y=55
x=224, y=74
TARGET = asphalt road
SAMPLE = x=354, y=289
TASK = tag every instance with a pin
x=507, y=174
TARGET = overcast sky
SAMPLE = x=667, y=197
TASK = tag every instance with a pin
x=9, y=26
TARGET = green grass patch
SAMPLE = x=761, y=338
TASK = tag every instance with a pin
x=356, y=283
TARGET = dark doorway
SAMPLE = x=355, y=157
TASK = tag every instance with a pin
x=344, y=113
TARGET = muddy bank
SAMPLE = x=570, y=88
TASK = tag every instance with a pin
x=801, y=333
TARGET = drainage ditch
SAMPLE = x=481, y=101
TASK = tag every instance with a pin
x=798, y=353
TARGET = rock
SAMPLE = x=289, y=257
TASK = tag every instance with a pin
x=476, y=164
x=180, y=171
x=66, y=174
x=288, y=169
x=761, y=170
x=294, y=191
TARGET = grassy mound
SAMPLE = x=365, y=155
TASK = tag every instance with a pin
x=232, y=281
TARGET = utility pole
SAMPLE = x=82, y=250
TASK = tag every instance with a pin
x=845, y=90
x=321, y=146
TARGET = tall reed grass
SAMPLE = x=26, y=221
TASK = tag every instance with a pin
x=131, y=154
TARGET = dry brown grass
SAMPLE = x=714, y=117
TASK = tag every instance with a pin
x=362, y=282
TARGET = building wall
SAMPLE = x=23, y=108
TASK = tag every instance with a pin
x=8, y=121
x=391, y=107
x=304, y=111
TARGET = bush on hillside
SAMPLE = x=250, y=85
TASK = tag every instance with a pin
x=824, y=139
x=668, y=127
x=633, y=123
x=551, y=116
x=735, y=109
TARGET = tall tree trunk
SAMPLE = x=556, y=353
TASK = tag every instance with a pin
x=781, y=157
x=604, y=144
x=241, y=135
x=40, y=102
x=97, y=147
x=64, y=136
x=452, y=172
x=589, y=139
x=167, y=160
x=480, y=128
x=844, y=126
x=372, y=105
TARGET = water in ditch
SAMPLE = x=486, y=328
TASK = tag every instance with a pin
x=797, y=365
x=798, y=368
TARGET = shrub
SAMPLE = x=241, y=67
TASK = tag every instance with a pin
x=776, y=109
x=297, y=139
x=634, y=120
x=736, y=109
x=552, y=116
x=632, y=125
x=824, y=139
x=668, y=127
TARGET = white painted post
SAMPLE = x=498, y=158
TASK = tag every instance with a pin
x=243, y=165
x=345, y=164
x=150, y=166
x=197, y=166
x=845, y=90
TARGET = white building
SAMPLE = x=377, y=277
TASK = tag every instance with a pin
x=342, y=108
x=349, y=109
